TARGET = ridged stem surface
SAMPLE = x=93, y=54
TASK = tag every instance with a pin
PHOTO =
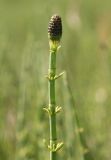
x=52, y=103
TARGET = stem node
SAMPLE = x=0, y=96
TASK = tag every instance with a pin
x=58, y=76
x=59, y=146
x=48, y=110
x=58, y=109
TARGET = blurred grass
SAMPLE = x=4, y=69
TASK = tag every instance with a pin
x=85, y=55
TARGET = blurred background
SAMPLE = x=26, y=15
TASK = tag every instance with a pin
x=84, y=91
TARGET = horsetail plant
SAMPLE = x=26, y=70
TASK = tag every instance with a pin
x=54, y=35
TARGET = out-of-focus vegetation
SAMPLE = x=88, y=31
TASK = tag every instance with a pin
x=84, y=124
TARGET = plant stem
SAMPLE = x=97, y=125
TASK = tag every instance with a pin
x=52, y=104
x=54, y=35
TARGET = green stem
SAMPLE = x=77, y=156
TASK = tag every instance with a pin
x=52, y=104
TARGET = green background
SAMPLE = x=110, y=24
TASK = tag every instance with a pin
x=84, y=92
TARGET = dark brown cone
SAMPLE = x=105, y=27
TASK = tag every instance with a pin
x=55, y=28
